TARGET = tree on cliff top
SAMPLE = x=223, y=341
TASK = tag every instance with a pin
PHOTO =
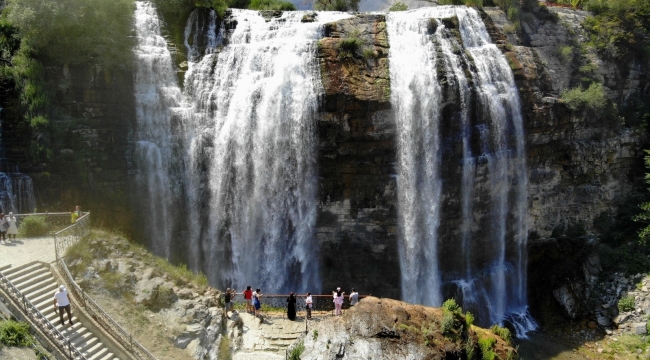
x=336, y=5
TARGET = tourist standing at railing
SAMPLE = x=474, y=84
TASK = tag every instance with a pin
x=226, y=299
x=257, y=301
x=4, y=225
x=291, y=307
x=248, y=296
x=354, y=297
x=13, y=229
x=63, y=302
x=76, y=214
x=309, y=303
x=338, y=300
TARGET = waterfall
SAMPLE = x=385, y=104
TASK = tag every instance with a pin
x=453, y=89
x=248, y=147
x=251, y=153
x=158, y=108
x=16, y=188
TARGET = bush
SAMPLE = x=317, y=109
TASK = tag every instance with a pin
x=33, y=226
x=271, y=5
x=348, y=47
x=14, y=333
x=469, y=319
x=626, y=304
x=399, y=6
x=447, y=324
x=297, y=351
x=593, y=98
x=502, y=332
x=336, y=5
x=487, y=348
x=451, y=305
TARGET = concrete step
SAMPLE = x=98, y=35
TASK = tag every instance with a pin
x=92, y=349
x=31, y=281
x=18, y=269
x=100, y=353
x=4, y=268
x=106, y=356
x=29, y=275
x=46, y=286
x=46, y=296
x=85, y=344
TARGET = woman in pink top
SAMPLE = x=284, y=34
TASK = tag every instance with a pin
x=338, y=300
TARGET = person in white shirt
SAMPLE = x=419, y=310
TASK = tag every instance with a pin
x=310, y=303
x=354, y=297
x=62, y=301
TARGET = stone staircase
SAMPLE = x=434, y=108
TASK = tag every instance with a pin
x=37, y=283
x=268, y=339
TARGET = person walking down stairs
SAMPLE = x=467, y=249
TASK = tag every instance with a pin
x=61, y=299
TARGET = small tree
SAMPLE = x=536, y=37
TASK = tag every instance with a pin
x=336, y=5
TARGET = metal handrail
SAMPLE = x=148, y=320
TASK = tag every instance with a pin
x=67, y=237
x=37, y=318
x=320, y=302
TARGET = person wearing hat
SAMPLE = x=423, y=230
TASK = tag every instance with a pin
x=63, y=302
x=12, y=230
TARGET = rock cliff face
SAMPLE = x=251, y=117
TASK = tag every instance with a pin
x=89, y=135
x=357, y=197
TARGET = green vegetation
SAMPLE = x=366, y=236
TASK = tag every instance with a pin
x=297, y=351
x=224, y=348
x=315, y=335
x=398, y=6
x=33, y=226
x=180, y=274
x=593, y=98
x=469, y=319
x=15, y=333
x=487, y=348
x=451, y=305
x=502, y=332
x=336, y=5
x=626, y=304
x=354, y=47
x=262, y=5
x=472, y=3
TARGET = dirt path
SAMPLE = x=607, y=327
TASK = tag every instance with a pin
x=22, y=251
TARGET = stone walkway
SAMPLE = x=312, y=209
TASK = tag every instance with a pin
x=267, y=340
x=22, y=251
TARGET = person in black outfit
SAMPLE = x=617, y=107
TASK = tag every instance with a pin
x=291, y=308
x=227, y=300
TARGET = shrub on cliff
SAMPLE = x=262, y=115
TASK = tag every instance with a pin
x=14, y=333
x=593, y=98
x=336, y=5
x=398, y=6
x=271, y=5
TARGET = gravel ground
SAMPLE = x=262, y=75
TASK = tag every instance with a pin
x=22, y=251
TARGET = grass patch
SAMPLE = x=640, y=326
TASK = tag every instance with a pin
x=297, y=351
x=502, y=332
x=137, y=314
x=628, y=343
x=180, y=274
x=33, y=226
x=15, y=333
x=487, y=348
x=626, y=304
x=224, y=349
x=593, y=98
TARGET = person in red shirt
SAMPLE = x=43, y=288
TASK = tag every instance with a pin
x=248, y=296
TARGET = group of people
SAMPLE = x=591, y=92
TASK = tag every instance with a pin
x=8, y=227
x=339, y=297
x=253, y=301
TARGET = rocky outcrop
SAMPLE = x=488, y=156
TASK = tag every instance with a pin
x=390, y=329
x=357, y=194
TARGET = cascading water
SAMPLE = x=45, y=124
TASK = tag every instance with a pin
x=158, y=104
x=251, y=159
x=245, y=163
x=463, y=100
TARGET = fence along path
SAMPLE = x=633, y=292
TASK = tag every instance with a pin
x=60, y=335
